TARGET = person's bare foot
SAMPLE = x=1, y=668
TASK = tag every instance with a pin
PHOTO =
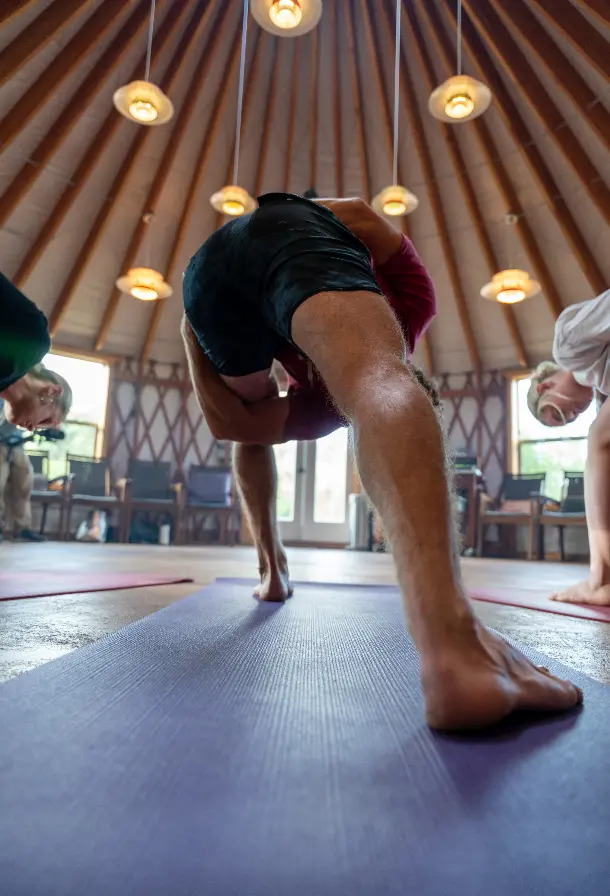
x=275, y=583
x=584, y=593
x=480, y=679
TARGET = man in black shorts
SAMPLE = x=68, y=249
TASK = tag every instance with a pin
x=300, y=282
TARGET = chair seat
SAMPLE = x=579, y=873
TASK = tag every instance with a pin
x=152, y=502
x=46, y=495
x=496, y=516
x=558, y=517
x=102, y=500
x=196, y=505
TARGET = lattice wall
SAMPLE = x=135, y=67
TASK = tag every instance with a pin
x=476, y=420
x=153, y=415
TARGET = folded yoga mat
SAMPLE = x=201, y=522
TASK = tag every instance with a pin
x=536, y=600
x=228, y=748
x=17, y=585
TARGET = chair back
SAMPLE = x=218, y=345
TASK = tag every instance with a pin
x=210, y=486
x=519, y=487
x=573, y=493
x=465, y=462
x=89, y=475
x=150, y=480
x=39, y=461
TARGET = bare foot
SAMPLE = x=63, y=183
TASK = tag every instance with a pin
x=275, y=584
x=584, y=593
x=481, y=680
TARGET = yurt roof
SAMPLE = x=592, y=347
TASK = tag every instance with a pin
x=76, y=178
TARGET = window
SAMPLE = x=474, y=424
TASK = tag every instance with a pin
x=84, y=427
x=542, y=449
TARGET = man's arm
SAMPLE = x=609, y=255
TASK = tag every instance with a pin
x=582, y=341
x=597, y=496
x=261, y=423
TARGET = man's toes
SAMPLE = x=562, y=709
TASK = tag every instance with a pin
x=547, y=692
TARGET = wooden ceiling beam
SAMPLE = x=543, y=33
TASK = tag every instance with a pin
x=518, y=68
x=97, y=147
x=566, y=76
x=315, y=85
x=207, y=143
x=61, y=127
x=459, y=166
x=83, y=257
x=382, y=95
x=294, y=92
x=579, y=31
x=35, y=36
x=269, y=114
x=87, y=37
x=524, y=142
x=384, y=104
x=250, y=82
x=337, y=52
x=598, y=9
x=12, y=8
x=207, y=57
x=356, y=78
x=419, y=137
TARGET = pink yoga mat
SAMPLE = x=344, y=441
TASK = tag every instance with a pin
x=534, y=600
x=17, y=585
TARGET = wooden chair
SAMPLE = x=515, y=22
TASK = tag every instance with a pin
x=570, y=513
x=88, y=485
x=210, y=494
x=45, y=493
x=149, y=488
x=517, y=507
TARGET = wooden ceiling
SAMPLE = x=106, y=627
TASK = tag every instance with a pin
x=76, y=178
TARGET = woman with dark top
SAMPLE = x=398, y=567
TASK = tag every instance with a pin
x=34, y=397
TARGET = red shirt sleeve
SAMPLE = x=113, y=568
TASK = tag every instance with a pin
x=311, y=415
x=409, y=290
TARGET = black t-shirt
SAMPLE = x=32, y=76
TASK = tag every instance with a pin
x=24, y=334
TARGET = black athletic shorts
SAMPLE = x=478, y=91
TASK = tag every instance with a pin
x=244, y=284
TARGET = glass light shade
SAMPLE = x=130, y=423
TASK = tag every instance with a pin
x=460, y=98
x=395, y=201
x=510, y=286
x=287, y=18
x=233, y=200
x=145, y=284
x=286, y=13
x=144, y=103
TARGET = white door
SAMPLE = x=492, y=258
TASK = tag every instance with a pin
x=313, y=486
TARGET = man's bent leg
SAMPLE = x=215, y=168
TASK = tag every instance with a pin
x=20, y=484
x=256, y=476
x=470, y=677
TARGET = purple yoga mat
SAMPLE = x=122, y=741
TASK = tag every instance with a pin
x=228, y=748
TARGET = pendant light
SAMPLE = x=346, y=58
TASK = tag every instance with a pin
x=142, y=101
x=234, y=200
x=396, y=200
x=287, y=18
x=459, y=98
x=513, y=284
x=145, y=284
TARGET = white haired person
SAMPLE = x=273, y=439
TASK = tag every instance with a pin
x=561, y=391
x=34, y=397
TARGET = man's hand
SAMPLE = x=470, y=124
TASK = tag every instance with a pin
x=375, y=231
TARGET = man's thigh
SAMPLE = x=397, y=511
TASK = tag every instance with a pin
x=353, y=338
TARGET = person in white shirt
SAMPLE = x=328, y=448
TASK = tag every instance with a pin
x=561, y=391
